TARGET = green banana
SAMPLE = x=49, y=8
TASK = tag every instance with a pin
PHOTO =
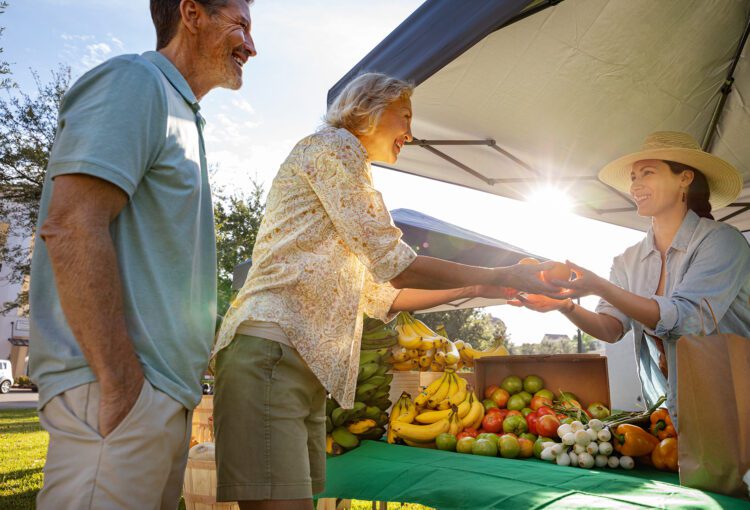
x=382, y=369
x=365, y=391
x=357, y=412
x=383, y=403
x=345, y=438
x=330, y=406
x=373, y=412
x=382, y=419
x=367, y=371
x=377, y=380
x=369, y=357
x=339, y=416
x=380, y=394
x=374, y=433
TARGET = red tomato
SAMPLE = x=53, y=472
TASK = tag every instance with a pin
x=495, y=410
x=538, y=402
x=514, y=413
x=544, y=410
x=492, y=422
x=531, y=421
x=467, y=432
x=547, y=425
x=504, y=413
x=489, y=390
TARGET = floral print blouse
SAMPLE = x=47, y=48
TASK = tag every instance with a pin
x=324, y=254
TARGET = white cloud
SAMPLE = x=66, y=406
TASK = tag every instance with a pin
x=95, y=54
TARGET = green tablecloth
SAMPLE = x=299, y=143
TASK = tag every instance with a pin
x=377, y=471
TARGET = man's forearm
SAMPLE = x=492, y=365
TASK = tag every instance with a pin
x=88, y=284
x=431, y=273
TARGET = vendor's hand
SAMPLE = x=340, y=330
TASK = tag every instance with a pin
x=116, y=400
x=585, y=283
x=527, y=278
x=494, y=292
x=538, y=303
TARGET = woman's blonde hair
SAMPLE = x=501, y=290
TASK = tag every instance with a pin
x=359, y=106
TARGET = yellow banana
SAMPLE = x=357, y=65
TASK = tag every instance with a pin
x=459, y=396
x=407, y=337
x=434, y=385
x=425, y=362
x=413, y=354
x=474, y=413
x=433, y=416
x=420, y=433
x=412, y=364
x=408, y=413
x=422, y=398
x=451, y=353
x=440, y=357
x=436, y=367
x=441, y=393
x=459, y=344
x=395, y=414
x=478, y=423
x=497, y=351
x=453, y=387
x=463, y=408
x=361, y=426
x=445, y=404
x=427, y=344
x=420, y=445
x=455, y=424
x=400, y=356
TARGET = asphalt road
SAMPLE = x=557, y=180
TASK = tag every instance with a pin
x=18, y=398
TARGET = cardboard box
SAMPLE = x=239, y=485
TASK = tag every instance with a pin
x=586, y=375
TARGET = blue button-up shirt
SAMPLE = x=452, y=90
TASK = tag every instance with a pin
x=707, y=259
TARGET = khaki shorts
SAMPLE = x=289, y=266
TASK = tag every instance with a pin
x=140, y=464
x=269, y=422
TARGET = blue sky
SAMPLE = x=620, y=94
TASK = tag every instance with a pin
x=304, y=47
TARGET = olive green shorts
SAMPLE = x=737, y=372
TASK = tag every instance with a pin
x=269, y=420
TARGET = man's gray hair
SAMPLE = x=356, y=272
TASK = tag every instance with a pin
x=166, y=15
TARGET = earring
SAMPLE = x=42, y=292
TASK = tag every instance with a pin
x=684, y=196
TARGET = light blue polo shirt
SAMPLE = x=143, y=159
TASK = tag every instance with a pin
x=134, y=121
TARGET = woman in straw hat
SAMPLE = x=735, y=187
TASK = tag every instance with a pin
x=655, y=287
x=326, y=252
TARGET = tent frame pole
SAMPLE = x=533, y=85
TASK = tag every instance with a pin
x=725, y=89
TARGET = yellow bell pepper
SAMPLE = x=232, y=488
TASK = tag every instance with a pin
x=661, y=424
x=633, y=441
x=664, y=455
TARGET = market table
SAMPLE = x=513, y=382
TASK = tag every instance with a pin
x=377, y=471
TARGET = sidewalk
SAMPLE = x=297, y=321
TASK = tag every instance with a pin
x=19, y=399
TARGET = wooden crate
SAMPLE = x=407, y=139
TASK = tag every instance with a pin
x=199, y=488
x=203, y=421
x=586, y=375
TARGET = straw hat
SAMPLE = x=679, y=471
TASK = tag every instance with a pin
x=724, y=181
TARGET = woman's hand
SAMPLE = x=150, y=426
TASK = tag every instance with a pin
x=539, y=303
x=586, y=283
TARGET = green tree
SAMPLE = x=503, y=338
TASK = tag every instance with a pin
x=555, y=344
x=27, y=130
x=478, y=328
x=5, y=80
x=237, y=219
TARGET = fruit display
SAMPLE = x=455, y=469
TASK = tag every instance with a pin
x=377, y=335
x=447, y=406
x=367, y=418
x=420, y=348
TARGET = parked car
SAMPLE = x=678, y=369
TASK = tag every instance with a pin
x=6, y=376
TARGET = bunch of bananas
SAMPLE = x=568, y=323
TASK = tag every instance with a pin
x=420, y=348
x=469, y=354
x=447, y=405
x=367, y=418
x=377, y=335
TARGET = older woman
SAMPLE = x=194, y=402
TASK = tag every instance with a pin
x=656, y=287
x=327, y=252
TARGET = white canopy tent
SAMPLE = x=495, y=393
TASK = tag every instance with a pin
x=514, y=94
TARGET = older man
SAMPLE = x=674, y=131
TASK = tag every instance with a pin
x=123, y=290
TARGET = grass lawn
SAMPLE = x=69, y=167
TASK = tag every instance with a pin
x=23, y=445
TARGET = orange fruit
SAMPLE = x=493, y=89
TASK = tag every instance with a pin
x=528, y=260
x=558, y=272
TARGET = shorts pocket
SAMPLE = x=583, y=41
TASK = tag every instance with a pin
x=143, y=396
